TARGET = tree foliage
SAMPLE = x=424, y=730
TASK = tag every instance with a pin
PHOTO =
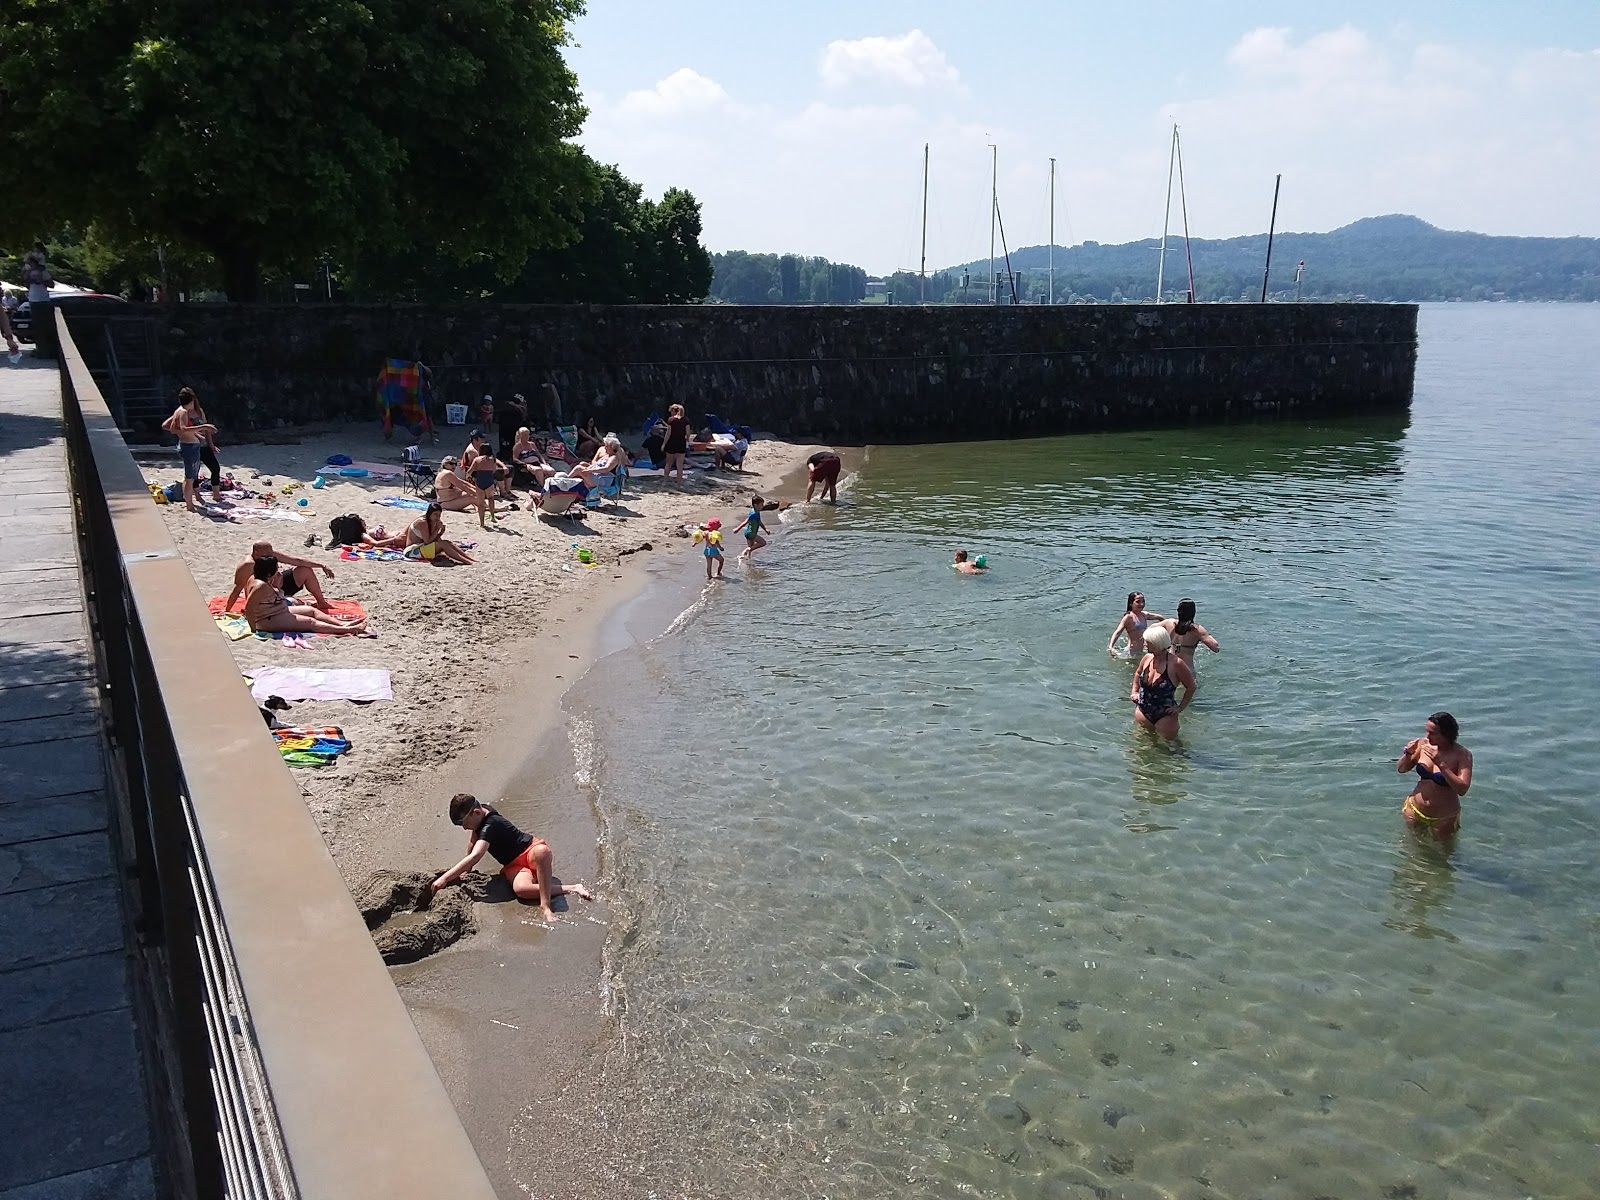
x=272, y=132
x=743, y=278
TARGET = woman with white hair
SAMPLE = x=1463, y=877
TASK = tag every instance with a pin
x=1156, y=682
x=599, y=471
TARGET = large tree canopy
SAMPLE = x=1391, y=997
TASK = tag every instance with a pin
x=275, y=131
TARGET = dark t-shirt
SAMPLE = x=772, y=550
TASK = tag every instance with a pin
x=677, y=435
x=505, y=840
x=822, y=457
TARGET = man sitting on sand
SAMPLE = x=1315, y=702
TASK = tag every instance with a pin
x=298, y=573
x=524, y=860
x=268, y=611
x=456, y=493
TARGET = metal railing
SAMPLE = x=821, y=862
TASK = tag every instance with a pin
x=279, y=1058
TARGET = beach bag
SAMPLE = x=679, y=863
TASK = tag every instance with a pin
x=346, y=530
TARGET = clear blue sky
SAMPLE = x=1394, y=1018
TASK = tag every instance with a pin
x=801, y=127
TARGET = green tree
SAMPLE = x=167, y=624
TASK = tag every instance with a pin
x=270, y=132
x=675, y=268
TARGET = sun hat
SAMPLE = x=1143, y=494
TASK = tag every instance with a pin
x=714, y=523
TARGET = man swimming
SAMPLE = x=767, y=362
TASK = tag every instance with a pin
x=1444, y=773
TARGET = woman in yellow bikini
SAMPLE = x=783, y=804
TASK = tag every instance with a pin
x=1444, y=773
x=426, y=533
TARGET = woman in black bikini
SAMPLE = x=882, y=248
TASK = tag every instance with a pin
x=1155, y=685
x=1187, y=633
x=677, y=444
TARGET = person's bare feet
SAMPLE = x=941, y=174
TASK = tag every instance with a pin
x=575, y=889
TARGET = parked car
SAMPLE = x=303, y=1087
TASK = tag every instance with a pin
x=71, y=303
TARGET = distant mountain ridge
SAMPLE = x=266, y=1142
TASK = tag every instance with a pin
x=1394, y=257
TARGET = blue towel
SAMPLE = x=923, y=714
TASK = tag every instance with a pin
x=401, y=502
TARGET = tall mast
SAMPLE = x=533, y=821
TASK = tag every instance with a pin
x=1052, y=231
x=1166, y=215
x=1183, y=199
x=1271, y=228
x=994, y=207
x=922, y=273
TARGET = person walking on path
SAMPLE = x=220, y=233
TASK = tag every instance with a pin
x=41, y=312
x=13, y=351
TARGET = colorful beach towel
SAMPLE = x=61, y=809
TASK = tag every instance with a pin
x=311, y=683
x=311, y=747
x=336, y=608
x=234, y=628
x=403, y=395
x=371, y=554
x=402, y=502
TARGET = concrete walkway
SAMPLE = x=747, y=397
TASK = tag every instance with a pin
x=72, y=1107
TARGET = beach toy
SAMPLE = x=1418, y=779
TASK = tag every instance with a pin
x=302, y=502
x=354, y=472
x=981, y=561
x=585, y=555
x=319, y=482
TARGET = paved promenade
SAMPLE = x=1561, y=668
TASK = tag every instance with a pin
x=73, y=1120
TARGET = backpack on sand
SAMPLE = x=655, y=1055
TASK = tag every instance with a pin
x=346, y=530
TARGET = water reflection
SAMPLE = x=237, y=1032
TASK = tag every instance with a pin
x=1423, y=880
x=1157, y=775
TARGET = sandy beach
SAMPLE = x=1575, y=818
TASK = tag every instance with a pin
x=480, y=657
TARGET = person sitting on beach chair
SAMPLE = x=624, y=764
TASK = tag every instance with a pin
x=731, y=458
x=298, y=574
x=601, y=472
x=454, y=492
x=528, y=466
x=525, y=861
x=269, y=611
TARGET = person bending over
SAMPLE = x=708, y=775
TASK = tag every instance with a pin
x=525, y=861
x=822, y=469
x=269, y=611
x=1444, y=773
x=298, y=574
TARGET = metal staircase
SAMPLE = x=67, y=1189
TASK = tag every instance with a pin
x=129, y=374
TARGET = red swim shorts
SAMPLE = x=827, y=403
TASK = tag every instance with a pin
x=827, y=469
x=523, y=861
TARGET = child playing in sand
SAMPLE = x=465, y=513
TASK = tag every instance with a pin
x=753, y=528
x=711, y=534
x=524, y=860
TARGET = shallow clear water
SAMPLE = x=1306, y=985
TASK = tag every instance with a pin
x=912, y=909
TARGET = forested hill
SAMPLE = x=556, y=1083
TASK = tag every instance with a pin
x=1381, y=258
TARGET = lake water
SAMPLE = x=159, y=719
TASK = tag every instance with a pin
x=907, y=907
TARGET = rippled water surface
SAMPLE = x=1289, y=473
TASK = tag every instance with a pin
x=913, y=910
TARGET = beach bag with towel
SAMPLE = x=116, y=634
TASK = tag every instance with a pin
x=346, y=530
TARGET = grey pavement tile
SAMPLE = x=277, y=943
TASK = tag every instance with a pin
x=42, y=485
x=74, y=988
x=78, y=724
x=74, y=1098
x=133, y=1179
x=50, y=861
x=53, y=924
x=44, y=607
x=24, y=821
x=43, y=662
x=12, y=506
x=52, y=627
x=60, y=583
x=36, y=771
x=60, y=698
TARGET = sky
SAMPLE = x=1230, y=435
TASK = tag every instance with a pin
x=800, y=127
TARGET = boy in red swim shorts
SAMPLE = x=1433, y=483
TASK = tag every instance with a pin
x=524, y=860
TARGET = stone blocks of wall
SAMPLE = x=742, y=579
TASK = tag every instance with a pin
x=848, y=374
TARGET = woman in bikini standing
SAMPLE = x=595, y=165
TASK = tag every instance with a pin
x=1187, y=633
x=1156, y=682
x=676, y=447
x=1444, y=773
x=1133, y=623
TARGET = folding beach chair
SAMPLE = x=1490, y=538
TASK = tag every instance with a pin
x=608, y=487
x=717, y=425
x=419, y=474
x=560, y=504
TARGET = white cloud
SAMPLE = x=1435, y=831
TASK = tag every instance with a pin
x=684, y=91
x=910, y=60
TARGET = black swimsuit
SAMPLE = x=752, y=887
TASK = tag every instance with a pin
x=1157, y=697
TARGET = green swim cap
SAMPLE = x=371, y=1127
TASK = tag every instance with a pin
x=981, y=561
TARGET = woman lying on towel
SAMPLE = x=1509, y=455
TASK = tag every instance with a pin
x=427, y=534
x=268, y=610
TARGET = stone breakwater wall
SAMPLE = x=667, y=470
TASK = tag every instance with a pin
x=847, y=374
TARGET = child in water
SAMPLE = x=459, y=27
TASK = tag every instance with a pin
x=976, y=566
x=753, y=528
x=711, y=534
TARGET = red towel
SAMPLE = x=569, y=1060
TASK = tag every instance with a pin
x=337, y=608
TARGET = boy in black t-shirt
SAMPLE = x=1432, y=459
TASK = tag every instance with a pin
x=524, y=860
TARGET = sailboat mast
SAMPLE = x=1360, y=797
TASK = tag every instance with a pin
x=1272, y=226
x=1183, y=199
x=994, y=207
x=922, y=273
x=1166, y=216
x=1052, y=231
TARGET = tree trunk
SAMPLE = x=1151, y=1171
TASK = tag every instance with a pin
x=241, y=272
